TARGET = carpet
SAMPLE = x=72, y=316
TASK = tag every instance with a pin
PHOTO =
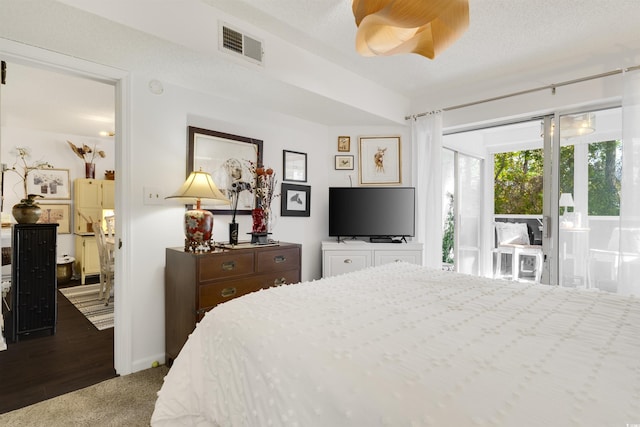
x=85, y=299
x=128, y=401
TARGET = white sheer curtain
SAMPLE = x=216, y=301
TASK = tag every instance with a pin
x=629, y=257
x=426, y=133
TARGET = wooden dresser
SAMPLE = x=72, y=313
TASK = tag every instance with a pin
x=197, y=282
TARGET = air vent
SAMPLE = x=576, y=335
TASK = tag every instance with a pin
x=237, y=43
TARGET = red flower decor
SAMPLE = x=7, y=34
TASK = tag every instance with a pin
x=264, y=185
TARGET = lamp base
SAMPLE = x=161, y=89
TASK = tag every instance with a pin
x=196, y=247
x=198, y=230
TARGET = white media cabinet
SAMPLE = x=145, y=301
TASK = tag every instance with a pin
x=351, y=255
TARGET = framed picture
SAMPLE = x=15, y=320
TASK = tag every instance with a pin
x=230, y=159
x=294, y=165
x=344, y=144
x=56, y=214
x=49, y=183
x=380, y=160
x=344, y=162
x=295, y=200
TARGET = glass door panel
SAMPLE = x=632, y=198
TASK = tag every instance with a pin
x=470, y=186
x=448, y=214
x=589, y=198
x=519, y=181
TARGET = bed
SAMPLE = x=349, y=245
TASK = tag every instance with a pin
x=402, y=345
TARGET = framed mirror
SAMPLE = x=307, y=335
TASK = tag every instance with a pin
x=229, y=159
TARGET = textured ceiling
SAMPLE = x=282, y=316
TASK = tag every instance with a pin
x=519, y=43
x=511, y=45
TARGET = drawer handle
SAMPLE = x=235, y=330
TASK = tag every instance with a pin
x=280, y=281
x=347, y=261
x=279, y=259
x=228, y=292
x=229, y=265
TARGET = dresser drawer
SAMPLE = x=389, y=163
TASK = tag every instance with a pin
x=278, y=278
x=217, y=293
x=278, y=260
x=225, y=266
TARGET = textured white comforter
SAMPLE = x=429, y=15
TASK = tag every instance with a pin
x=400, y=345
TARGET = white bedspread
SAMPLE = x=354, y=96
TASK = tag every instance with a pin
x=399, y=345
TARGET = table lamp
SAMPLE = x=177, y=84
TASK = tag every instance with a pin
x=198, y=223
x=566, y=201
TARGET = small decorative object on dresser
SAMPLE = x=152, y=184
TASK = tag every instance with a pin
x=27, y=210
x=264, y=190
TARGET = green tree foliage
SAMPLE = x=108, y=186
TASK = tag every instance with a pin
x=518, y=182
x=518, y=179
x=448, y=233
x=605, y=166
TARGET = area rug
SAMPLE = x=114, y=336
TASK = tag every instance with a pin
x=85, y=299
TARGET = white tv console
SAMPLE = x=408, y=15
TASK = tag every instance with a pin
x=351, y=255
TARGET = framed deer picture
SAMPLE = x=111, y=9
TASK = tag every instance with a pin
x=380, y=160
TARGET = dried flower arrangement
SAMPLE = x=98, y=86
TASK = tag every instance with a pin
x=84, y=150
x=264, y=186
x=22, y=168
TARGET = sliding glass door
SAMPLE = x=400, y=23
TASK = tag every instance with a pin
x=462, y=212
x=562, y=187
x=590, y=168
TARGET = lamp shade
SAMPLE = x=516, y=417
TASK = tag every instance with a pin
x=566, y=200
x=199, y=185
x=424, y=27
x=198, y=223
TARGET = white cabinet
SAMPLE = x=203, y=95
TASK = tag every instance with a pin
x=344, y=257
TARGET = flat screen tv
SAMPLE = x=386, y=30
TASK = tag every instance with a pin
x=380, y=213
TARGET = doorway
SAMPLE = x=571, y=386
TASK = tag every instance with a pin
x=55, y=107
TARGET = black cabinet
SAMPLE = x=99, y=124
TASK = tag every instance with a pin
x=33, y=279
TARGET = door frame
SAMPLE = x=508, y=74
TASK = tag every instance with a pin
x=121, y=80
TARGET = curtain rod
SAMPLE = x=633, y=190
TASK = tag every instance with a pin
x=552, y=87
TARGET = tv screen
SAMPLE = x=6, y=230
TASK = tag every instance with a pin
x=371, y=211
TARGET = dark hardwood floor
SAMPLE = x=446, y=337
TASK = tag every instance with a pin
x=43, y=366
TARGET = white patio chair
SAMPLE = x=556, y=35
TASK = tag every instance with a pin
x=513, y=239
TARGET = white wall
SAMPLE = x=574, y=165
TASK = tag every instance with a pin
x=52, y=148
x=159, y=156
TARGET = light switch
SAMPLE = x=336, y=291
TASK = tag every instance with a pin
x=153, y=196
